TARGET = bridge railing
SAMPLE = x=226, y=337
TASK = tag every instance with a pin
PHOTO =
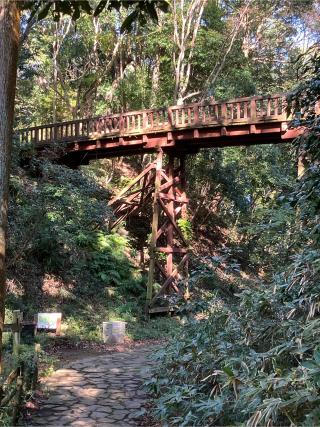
x=241, y=110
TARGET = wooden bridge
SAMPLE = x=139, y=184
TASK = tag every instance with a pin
x=187, y=128
x=176, y=131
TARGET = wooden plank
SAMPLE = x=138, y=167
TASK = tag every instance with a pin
x=155, y=222
x=171, y=219
x=174, y=198
x=126, y=210
x=132, y=193
x=162, y=270
x=168, y=249
x=168, y=184
x=131, y=184
x=164, y=226
x=171, y=278
x=11, y=327
x=11, y=377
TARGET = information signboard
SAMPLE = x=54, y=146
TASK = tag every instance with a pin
x=49, y=321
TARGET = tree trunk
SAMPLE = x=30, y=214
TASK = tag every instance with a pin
x=9, y=42
x=155, y=81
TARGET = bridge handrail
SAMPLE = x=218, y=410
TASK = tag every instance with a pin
x=239, y=110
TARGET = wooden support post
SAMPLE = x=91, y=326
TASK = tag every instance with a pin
x=35, y=379
x=170, y=207
x=155, y=222
x=183, y=185
x=184, y=215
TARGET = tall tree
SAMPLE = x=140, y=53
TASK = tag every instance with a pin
x=9, y=42
x=186, y=23
x=9, y=46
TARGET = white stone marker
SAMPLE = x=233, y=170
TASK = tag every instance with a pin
x=113, y=332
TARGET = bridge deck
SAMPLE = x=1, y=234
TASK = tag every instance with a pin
x=181, y=129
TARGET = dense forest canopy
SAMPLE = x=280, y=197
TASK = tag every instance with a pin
x=248, y=350
x=201, y=48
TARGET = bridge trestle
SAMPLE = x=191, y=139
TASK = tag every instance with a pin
x=165, y=188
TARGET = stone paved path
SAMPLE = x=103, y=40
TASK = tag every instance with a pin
x=101, y=391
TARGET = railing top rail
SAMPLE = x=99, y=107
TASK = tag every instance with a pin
x=152, y=110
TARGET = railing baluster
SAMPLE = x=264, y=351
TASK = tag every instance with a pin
x=275, y=106
x=269, y=107
x=170, y=117
x=224, y=111
x=253, y=109
x=145, y=120
x=189, y=115
x=245, y=110
x=183, y=119
x=76, y=130
x=121, y=123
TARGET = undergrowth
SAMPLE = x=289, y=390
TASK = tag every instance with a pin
x=254, y=359
x=62, y=256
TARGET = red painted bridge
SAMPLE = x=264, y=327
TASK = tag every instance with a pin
x=177, y=129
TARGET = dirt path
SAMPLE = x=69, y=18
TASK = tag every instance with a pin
x=105, y=390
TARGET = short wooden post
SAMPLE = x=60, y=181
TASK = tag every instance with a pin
x=155, y=223
x=253, y=109
x=17, y=400
x=144, y=120
x=196, y=113
x=36, y=136
x=76, y=130
x=58, y=328
x=170, y=117
x=121, y=123
x=224, y=113
x=54, y=133
x=17, y=331
x=37, y=349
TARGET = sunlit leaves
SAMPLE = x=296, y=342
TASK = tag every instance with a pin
x=139, y=10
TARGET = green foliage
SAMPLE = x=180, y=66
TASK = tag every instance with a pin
x=27, y=362
x=139, y=10
x=160, y=328
x=61, y=255
x=245, y=362
x=256, y=361
x=186, y=228
x=254, y=356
